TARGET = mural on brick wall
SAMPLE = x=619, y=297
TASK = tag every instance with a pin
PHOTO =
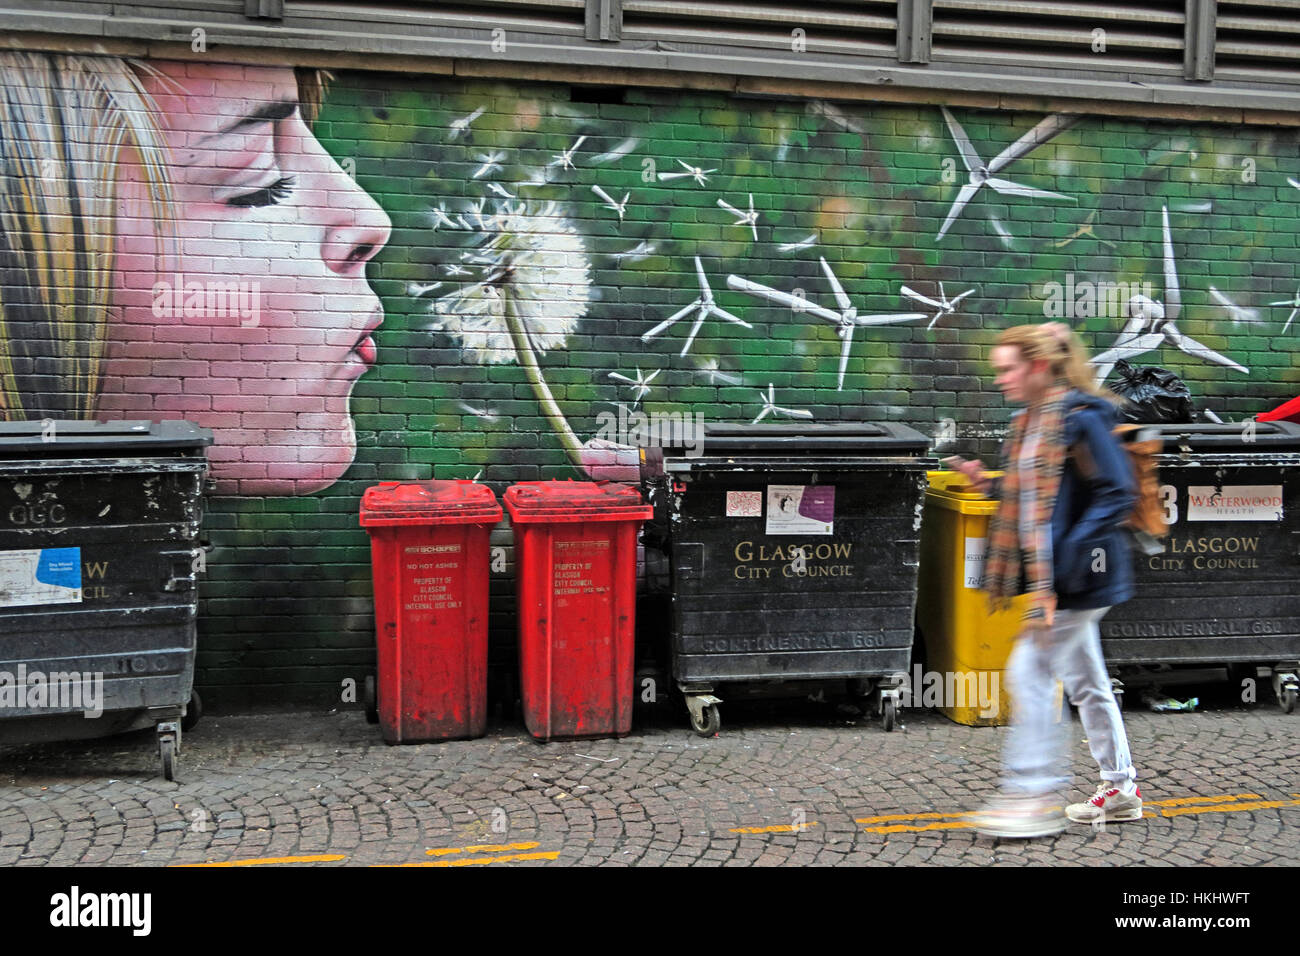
x=561, y=275
x=179, y=245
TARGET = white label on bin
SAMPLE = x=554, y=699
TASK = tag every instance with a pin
x=40, y=576
x=1234, y=503
x=973, y=566
x=800, y=509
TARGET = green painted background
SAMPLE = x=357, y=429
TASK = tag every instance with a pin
x=286, y=613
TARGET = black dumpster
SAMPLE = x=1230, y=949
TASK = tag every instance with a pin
x=793, y=557
x=99, y=556
x=1224, y=590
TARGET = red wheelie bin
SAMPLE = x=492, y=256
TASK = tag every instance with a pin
x=575, y=543
x=430, y=560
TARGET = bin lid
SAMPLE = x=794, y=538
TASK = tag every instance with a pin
x=1230, y=437
x=805, y=440
x=952, y=490
x=571, y=501
x=52, y=437
x=457, y=501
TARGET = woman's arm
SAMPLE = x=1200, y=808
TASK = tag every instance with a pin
x=1112, y=483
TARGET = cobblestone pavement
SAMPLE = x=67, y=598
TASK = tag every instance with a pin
x=785, y=783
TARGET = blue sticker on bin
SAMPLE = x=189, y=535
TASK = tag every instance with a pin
x=59, y=567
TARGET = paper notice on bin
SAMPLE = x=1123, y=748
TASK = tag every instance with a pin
x=800, y=509
x=1234, y=503
x=973, y=566
x=40, y=576
x=744, y=504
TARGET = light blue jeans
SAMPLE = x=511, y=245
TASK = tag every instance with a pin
x=1036, y=757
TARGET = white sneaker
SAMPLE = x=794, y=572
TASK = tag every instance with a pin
x=1109, y=804
x=1020, y=817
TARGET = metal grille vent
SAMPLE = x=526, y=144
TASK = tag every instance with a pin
x=1060, y=34
x=418, y=16
x=1258, y=40
x=866, y=27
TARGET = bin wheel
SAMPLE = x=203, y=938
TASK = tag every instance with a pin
x=888, y=713
x=167, y=753
x=1288, y=700
x=193, y=711
x=711, y=722
x=371, y=700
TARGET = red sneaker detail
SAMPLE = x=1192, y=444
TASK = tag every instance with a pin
x=1100, y=799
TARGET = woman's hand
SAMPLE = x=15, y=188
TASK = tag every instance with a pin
x=1041, y=615
x=973, y=470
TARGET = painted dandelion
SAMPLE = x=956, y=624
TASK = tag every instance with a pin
x=528, y=285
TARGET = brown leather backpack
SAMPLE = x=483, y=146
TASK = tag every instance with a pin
x=1147, y=519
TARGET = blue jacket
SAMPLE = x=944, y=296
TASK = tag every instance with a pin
x=1092, y=565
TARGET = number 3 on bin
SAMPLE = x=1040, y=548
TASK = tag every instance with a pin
x=1169, y=498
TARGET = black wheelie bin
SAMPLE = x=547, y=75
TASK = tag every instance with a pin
x=793, y=554
x=99, y=558
x=1223, y=593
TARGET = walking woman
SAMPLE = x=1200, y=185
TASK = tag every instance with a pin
x=1057, y=536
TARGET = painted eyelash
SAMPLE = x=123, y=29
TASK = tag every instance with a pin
x=270, y=195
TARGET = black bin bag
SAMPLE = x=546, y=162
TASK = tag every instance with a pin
x=1153, y=395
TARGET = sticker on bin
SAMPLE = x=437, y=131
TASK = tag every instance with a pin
x=800, y=509
x=1234, y=503
x=40, y=576
x=973, y=564
x=744, y=504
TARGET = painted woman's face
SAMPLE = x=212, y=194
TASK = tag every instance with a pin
x=260, y=324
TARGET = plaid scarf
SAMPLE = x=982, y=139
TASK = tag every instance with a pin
x=1006, y=558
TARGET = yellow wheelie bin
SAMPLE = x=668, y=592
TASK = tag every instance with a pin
x=966, y=645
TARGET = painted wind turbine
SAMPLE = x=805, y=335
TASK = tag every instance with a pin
x=770, y=407
x=706, y=305
x=565, y=159
x=847, y=319
x=1294, y=302
x=490, y=161
x=945, y=305
x=641, y=383
x=611, y=203
x=699, y=174
x=459, y=126
x=1238, y=314
x=981, y=174
x=1151, y=325
x=642, y=250
x=749, y=219
x=805, y=243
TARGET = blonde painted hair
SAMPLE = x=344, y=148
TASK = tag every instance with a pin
x=67, y=123
x=1066, y=357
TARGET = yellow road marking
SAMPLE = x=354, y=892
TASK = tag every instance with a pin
x=915, y=816
x=1222, y=803
x=1181, y=801
x=484, y=848
x=273, y=860
x=905, y=828
x=481, y=860
x=777, y=828
x=1232, y=807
